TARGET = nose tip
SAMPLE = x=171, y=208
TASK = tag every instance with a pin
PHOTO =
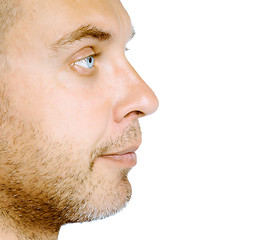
x=154, y=103
x=138, y=99
x=148, y=101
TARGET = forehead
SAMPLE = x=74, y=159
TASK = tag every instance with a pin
x=51, y=19
x=73, y=8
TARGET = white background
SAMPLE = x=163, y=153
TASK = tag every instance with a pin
x=197, y=176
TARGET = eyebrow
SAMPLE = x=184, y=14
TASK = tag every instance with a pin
x=83, y=32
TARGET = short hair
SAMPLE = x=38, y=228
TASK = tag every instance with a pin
x=9, y=12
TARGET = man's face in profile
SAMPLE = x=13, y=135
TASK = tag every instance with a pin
x=69, y=109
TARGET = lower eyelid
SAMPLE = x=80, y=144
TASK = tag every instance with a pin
x=82, y=70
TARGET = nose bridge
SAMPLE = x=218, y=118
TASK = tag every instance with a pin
x=135, y=97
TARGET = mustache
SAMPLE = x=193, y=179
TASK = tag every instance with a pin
x=127, y=137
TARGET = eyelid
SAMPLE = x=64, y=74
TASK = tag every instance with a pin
x=91, y=55
x=81, y=54
x=82, y=70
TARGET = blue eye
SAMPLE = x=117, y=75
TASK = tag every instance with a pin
x=87, y=62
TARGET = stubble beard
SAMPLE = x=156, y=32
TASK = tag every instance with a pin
x=46, y=184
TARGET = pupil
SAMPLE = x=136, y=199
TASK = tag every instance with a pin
x=90, y=60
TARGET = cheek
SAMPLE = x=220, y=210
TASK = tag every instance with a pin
x=83, y=117
x=80, y=114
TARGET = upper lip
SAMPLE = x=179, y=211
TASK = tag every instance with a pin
x=125, y=151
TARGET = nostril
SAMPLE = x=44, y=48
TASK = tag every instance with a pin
x=136, y=114
x=140, y=114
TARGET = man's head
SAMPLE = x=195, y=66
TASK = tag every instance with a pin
x=69, y=109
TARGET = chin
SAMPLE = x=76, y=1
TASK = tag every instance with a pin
x=102, y=198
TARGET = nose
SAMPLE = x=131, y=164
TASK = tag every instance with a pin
x=134, y=98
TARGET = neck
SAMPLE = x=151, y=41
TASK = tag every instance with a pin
x=13, y=229
x=20, y=223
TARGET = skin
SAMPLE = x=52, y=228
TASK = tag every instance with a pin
x=57, y=119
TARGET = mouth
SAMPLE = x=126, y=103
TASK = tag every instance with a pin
x=123, y=159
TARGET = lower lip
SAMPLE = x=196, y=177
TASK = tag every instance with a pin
x=127, y=160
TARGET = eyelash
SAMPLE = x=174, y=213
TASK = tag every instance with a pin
x=88, y=70
x=92, y=55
